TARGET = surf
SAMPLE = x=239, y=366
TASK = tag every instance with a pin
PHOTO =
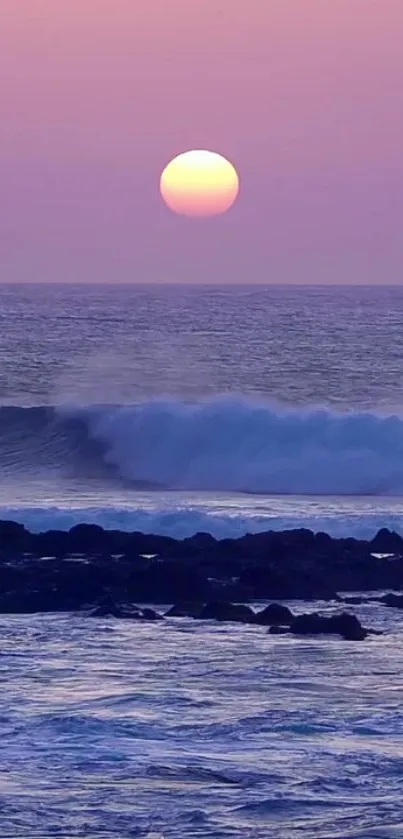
x=222, y=444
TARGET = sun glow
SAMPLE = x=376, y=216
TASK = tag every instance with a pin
x=199, y=183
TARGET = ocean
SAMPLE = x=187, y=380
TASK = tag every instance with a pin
x=182, y=409
x=227, y=410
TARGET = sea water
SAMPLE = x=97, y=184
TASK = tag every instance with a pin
x=117, y=729
x=173, y=409
x=226, y=410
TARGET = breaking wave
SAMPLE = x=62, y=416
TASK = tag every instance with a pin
x=222, y=444
x=180, y=523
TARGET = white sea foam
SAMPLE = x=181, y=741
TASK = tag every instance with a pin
x=243, y=445
x=216, y=445
x=181, y=523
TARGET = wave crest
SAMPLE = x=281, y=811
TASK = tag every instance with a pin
x=223, y=444
x=240, y=445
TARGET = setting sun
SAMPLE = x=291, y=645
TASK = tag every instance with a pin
x=199, y=183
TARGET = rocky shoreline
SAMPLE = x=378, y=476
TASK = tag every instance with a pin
x=279, y=619
x=83, y=567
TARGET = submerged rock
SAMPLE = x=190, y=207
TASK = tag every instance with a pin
x=185, y=610
x=275, y=615
x=235, y=612
x=103, y=612
x=344, y=624
x=151, y=615
x=355, y=601
x=109, y=609
x=279, y=630
x=394, y=601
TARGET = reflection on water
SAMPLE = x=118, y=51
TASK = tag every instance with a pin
x=114, y=729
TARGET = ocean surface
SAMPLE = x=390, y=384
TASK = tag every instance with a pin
x=116, y=730
x=174, y=410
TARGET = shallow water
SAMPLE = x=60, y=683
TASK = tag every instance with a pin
x=181, y=514
x=186, y=729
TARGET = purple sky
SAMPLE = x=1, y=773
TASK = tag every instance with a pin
x=303, y=96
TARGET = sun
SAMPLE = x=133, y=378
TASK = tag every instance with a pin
x=199, y=183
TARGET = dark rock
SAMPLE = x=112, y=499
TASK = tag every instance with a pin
x=149, y=544
x=105, y=612
x=279, y=630
x=109, y=609
x=185, y=610
x=275, y=566
x=236, y=612
x=394, y=601
x=387, y=541
x=84, y=538
x=151, y=615
x=136, y=614
x=344, y=624
x=51, y=543
x=354, y=601
x=323, y=540
x=28, y=602
x=275, y=615
x=276, y=542
x=282, y=582
x=170, y=581
x=200, y=542
x=14, y=536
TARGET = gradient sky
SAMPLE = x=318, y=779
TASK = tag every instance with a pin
x=304, y=97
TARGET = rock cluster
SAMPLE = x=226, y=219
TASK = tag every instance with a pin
x=78, y=569
x=278, y=618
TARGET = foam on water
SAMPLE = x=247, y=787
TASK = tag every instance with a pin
x=217, y=444
x=243, y=445
x=115, y=729
x=181, y=522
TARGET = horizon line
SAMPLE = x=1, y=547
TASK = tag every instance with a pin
x=206, y=284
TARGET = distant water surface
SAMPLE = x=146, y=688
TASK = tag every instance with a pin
x=338, y=346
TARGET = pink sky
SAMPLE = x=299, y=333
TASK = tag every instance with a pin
x=304, y=97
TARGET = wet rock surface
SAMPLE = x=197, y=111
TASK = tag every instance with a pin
x=282, y=621
x=274, y=614
x=344, y=624
x=235, y=612
x=185, y=610
x=79, y=568
x=394, y=601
